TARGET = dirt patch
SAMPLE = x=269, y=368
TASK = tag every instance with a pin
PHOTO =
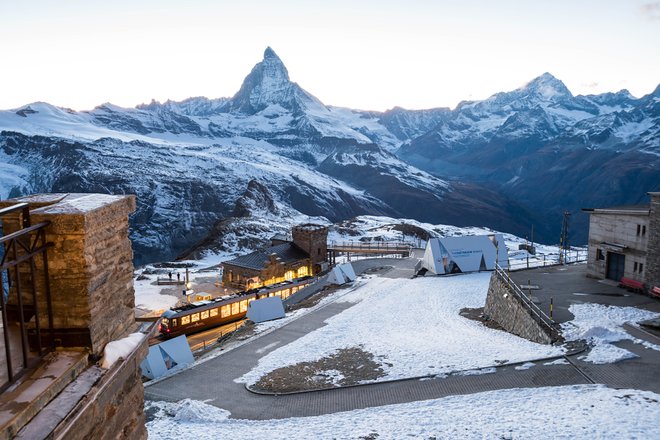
x=478, y=315
x=349, y=366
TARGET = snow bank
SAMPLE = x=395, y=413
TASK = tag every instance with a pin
x=413, y=328
x=601, y=325
x=120, y=349
x=579, y=411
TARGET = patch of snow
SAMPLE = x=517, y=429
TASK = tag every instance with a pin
x=121, y=348
x=577, y=411
x=435, y=332
x=560, y=361
x=607, y=354
x=525, y=366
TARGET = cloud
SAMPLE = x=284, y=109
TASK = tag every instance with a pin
x=651, y=10
x=591, y=85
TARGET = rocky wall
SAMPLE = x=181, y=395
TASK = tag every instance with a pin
x=652, y=275
x=505, y=309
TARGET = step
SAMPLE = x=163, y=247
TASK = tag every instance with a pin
x=25, y=399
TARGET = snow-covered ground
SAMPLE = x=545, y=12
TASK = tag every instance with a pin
x=580, y=411
x=601, y=325
x=413, y=328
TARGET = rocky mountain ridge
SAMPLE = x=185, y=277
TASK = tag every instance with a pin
x=193, y=163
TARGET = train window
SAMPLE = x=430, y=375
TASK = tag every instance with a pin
x=185, y=320
x=244, y=306
x=165, y=321
x=204, y=314
x=225, y=311
x=214, y=312
x=194, y=317
x=174, y=323
x=234, y=308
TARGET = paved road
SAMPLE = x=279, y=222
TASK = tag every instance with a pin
x=213, y=381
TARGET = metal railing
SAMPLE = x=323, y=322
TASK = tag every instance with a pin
x=370, y=246
x=18, y=305
x=547, y=323
x=530, y=262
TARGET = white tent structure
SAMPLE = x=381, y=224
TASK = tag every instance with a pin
x=341, y=274
x=170, y=355
x=465, y=254
x=265, y=309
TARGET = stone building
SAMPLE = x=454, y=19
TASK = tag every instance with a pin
x=69, y=294
x=625, y=242
x=304, y=255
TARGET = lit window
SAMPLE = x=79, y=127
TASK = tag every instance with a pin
x=174, y=323
x=234, y=308
x=185, y=320
x=214, y=312
x=225, y=311
x=205, y=314
x=194, y=317
x=244, y=306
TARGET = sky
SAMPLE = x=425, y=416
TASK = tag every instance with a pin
x=363, y=54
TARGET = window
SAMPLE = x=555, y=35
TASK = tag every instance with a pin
x=234, y=308
x=214, y=312
x=174, y=323
x=599, y=254
x=244, y=306
x=639, y=229
x=318, y=251
x=225, y=311
x=641, y=267
x=643, y=230
x=635, y=267
x=194, y=317
x=205, y=314
x=185, y=320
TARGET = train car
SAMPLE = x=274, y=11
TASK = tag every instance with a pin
x=202, y=315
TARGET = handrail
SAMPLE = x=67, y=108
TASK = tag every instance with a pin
x=544, y=319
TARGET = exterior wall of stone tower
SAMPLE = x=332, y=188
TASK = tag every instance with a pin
x=652, y=276
x=312, y=239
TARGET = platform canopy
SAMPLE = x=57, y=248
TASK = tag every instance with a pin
x=471, y=253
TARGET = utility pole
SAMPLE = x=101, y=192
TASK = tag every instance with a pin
x=563, y=239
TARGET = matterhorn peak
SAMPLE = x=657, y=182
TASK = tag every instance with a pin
x=547, y=87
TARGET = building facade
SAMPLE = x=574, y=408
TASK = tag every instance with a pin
x=304, y=255
x=625, y=242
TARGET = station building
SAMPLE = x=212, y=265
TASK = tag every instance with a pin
x=305, y=254
x=624, y=241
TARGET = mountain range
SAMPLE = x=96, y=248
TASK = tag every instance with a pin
x=210, y=166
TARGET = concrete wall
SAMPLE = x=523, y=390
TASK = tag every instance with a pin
x=617, y=227
x=652, y=271
x=506, y=310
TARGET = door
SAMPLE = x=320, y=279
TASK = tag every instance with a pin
x=616, y=264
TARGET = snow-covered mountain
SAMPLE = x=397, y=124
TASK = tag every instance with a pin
x=191, y=163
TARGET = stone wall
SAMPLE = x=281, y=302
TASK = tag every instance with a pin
x=312, y=239
x=652, y=273
x=506, y=310
x=90, y=266
x=113, y=408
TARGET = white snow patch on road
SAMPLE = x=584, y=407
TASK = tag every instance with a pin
x=412, y=327
x=525, y=366
x=601, y=325
x=578, y=411
x=148, y=295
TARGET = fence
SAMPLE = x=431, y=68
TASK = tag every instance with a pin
x=532, y=261
x=550, y=326
x=19, y=306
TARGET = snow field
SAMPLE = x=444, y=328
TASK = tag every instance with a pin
x=568, y=412
x=413, y=328
x=601, y=325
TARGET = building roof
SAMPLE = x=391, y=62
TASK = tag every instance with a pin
x=629, y=209
x=285, y=252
